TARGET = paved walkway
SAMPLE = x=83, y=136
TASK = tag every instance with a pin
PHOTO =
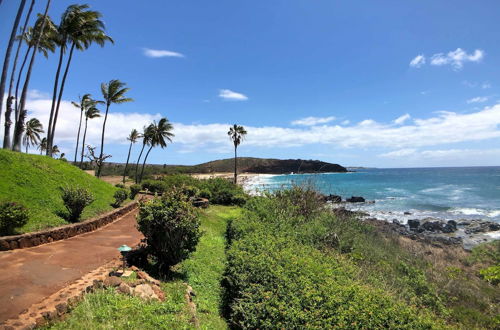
x=27, y=276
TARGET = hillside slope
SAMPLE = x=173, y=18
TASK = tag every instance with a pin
x=36, y=182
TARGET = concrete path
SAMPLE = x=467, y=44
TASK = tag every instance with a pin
x=27, y=276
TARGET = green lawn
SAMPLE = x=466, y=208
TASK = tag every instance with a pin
x=36, y=182
x=106, y=309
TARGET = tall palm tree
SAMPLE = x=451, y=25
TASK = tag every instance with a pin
x=158, y=133
x=79, y=28
x=6, y=61
x=134, y=135
x=112, y=92
x=32, y=133
x=91, y=113
x=84, y=100
x=43, y=145
x=18, y=130
x=236, y=134
x=146, y=137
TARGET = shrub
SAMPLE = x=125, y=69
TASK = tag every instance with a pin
x=205, y=193
x=12, y=215
x=134, y=190
x=171, y=227
x=75, y=200
x=190, y=191
x=491, y=274
x=154, y=186
x=120, y=196
x=119, y=185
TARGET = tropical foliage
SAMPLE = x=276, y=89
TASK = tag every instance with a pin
x=236, y=134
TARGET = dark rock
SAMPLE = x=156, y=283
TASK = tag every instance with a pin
x=407, y=213
x=450, y=227
x=482, y=227
x=124, y=288
x=432, y=225
x=200, y=202
x=112, y=281
x=413, y=224
x=355, y=199
x=333, y=198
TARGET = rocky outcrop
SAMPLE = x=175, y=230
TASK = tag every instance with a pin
x=356, y=199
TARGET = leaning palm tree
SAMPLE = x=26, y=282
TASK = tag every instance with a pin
x=43, y=145
x=146, y=138
x=112, y=92
x=33, y=128
x=79, y=28
x=158, y=133
x=91, y=113
x=134, y=135
x=236, y=134
x=84, y=101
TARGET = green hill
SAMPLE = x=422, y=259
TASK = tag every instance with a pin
x=36, y=182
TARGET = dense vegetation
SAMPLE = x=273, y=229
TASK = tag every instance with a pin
x=37, y=182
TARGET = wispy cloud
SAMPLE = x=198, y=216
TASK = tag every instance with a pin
x=402, y=119
x=485, y=85
x=417, y=61
x=157, y=53
x=478, y=99
x=36, y=94
x=228, y=94
x=450, y=157
x=311, y=121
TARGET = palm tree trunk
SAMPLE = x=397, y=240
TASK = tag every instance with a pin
x=102, y=140
x=137, y=164
x=19, y=44
x=19, y=81
x=144, y=163
x=61, y=90
x=8, y=123
x=126, y=164
x=6, y=61
x=26, y=147
x=18, y=131
x=54, y=96
x=78, y=134
x=235, y=166
x=83, y=142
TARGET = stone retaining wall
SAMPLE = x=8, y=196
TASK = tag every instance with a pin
x=63, y=232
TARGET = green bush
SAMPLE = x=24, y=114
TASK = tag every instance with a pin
x=119, y=185
x=134, y=190
x=491, y=274
x=12, y=215
x=171, y=227
x=154, y=186
x=120, y=196
x=190, y=191
x=205, y=193
x=75, y=200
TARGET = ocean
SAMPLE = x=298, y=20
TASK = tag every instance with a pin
x=444, y=193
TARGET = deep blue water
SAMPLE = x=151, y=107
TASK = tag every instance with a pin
x=448, y=193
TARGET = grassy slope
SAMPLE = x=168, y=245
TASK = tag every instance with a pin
x=106, y=309
x=35, y=181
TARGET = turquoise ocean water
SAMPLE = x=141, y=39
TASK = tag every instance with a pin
x=446, y=193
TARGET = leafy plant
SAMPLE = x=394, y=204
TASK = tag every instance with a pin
x=12, y=215
x=119, y=185
x=75, y=200
x=134, y=190
x=120, y=196
x=491, y=274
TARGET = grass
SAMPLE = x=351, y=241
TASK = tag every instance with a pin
x=106, y=309
x=36, y=182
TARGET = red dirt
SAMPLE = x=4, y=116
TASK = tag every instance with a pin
x=27, y=276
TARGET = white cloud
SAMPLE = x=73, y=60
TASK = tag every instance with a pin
x=156, y=53
x=36, y=94
x=402, y=119
x=228, y=94
x=346, y=122
x=418, y=61
x=478, y=99
x=451, y=157
x=457, y=58
x=486, y=85
x=399, y=153
x=311, y=121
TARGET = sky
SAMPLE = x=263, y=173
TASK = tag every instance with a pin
x=385, y=83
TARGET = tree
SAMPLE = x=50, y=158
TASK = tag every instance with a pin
x=112, y=92
x=134, y=135
x=43, y=145
x=6, y=61
x=91, y=113
x=97, y=160
x=54, y=150
x=236, y=134
x=84, y=101
x=158, y=133
x=79, y=28
x=32, y=133
x=18, y=130
x=145, y=141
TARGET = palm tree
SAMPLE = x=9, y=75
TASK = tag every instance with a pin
x=158, y=133
x=32, y=133
x=146, y=137
x=82, y=106
x=18, y=130
x=54, y=151
x=79, y=28
x=134, y=135
x=6, y=61
x=236, y=134
x=112, y=92
x=91, y=113
x=43, y=145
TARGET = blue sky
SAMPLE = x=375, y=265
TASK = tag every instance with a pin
x=309, y=79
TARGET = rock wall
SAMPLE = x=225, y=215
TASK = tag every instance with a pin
x=58, y=233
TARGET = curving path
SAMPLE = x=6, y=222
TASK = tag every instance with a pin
x=27, y=276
